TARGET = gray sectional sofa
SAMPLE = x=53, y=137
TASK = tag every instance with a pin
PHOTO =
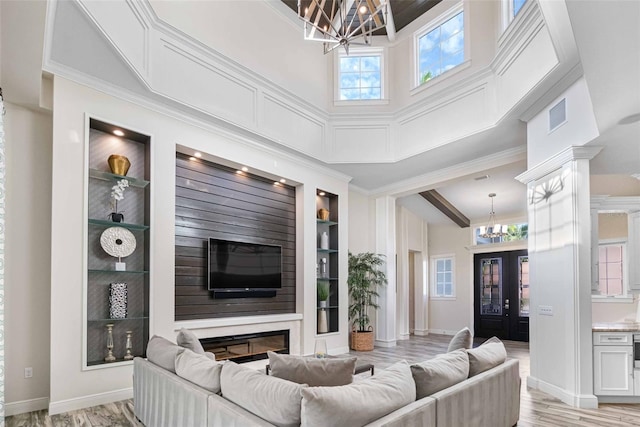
x=487, y=399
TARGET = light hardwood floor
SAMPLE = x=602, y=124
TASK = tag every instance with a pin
x=536, y=409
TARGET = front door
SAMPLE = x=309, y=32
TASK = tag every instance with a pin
x=501, y=295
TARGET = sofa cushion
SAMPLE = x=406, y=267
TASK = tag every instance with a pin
x=461, y=340
x=271, y=398
x=489, y=355
x=440, y=372
x=198, y=369
x=361, y=402
x=188, y=339
x=314, y=372
x=162, y=352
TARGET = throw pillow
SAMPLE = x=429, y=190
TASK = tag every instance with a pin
x=271, y=398
x=489, y=355
x=188, y=339
x=461, y=340
x=314, y=372
x=198, y=369
x=162, y=352
x=440, y=372
x=361, y=402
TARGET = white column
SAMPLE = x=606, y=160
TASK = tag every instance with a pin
x=422, y=286
x=402, y=281
x=560, y=275
x=386, y=245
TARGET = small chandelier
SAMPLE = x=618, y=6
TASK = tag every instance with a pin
x=493, y=230
x=338, y=23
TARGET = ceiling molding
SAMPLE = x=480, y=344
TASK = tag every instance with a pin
x=557, y=161
x=617, y=203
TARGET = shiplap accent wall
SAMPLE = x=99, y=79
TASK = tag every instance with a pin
x=215, y=201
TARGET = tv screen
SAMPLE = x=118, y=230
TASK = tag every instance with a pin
x=241, y=265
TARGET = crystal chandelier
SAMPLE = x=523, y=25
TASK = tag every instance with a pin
x=338, y=23
x=493, y=230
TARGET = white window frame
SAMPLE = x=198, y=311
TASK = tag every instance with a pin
x=508, y=14
x=626, y=297
x=434, y=272
x=384, y=81
x=431, y=26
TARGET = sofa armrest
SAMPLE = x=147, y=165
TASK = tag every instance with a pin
x=491, y=398
x=161, y=398
x=225, y=413
x=421, y=413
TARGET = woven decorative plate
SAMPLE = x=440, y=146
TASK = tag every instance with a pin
x=118, y=242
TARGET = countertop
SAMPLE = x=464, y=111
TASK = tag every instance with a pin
x=616, y=327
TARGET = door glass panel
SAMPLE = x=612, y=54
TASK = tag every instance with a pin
x=523, y=278
x=491, y=286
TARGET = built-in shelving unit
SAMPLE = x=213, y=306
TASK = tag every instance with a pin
x=327, y=261
x=101, y=267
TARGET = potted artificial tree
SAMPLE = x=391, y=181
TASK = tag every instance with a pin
x=364, y=280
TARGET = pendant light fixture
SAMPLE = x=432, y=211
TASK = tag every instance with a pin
x=493, y=230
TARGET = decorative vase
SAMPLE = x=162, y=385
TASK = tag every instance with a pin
x=116, y=216
x=118, y=300
x=320, y=349
x=323, y=324
x=110, y=357
x=324, y=240
x=323, y=214
x=119, y=165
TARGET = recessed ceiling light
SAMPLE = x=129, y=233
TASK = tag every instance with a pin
x=282, y=180
x=276, y=183
x=363, y=9
x=118, y=132
x=192, y=158
x=245, y=169
x=322, y=193
x=480, y=178
x=239, y=172
x=197, y=154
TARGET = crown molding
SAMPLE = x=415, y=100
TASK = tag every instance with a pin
x=616, y=203
x=555, y=162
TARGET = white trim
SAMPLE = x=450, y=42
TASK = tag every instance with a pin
x=599, y=299
x=385, y=344
x=556, y=162
x=421, y=332
x=24, y=406
x=612, y=204
x=430, y=26
x=442, y=332
x=235, y=321
x=384, y=80
x=586, y=401
x=90, y=400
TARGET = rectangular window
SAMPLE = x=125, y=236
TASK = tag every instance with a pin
x=360, y=77
x=443, y=276
x=611, y=269
x=513, y=232
x=441, y=48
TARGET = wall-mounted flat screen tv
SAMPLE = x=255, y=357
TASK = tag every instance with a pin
x=244, y=266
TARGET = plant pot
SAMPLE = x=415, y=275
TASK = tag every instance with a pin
x=116, y=217
x=323, y=214
x=324, y=304
x=362, y=341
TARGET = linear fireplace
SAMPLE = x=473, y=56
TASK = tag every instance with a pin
x=247, y=347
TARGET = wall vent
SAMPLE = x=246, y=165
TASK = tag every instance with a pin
x=558, y=114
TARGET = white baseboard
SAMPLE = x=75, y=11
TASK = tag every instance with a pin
x=404, y=336
x=390, y=343
x=584, y=401
x=421, y=332
x=442, y=332
x=619, y=399
x=24, y=406
x=87, y=401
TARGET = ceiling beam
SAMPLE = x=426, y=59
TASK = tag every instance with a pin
x=444, y=206
x=391, y=25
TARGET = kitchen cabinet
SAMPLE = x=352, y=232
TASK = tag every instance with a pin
x=613, y=373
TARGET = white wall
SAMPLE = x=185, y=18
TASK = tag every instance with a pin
x=258, y=37
x=580, y=126
x=360, y=223
x=450, y=315
x=27, y=257
x=71, y=103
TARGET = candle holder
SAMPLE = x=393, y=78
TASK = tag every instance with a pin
x=128, y=356
x=110, y=357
